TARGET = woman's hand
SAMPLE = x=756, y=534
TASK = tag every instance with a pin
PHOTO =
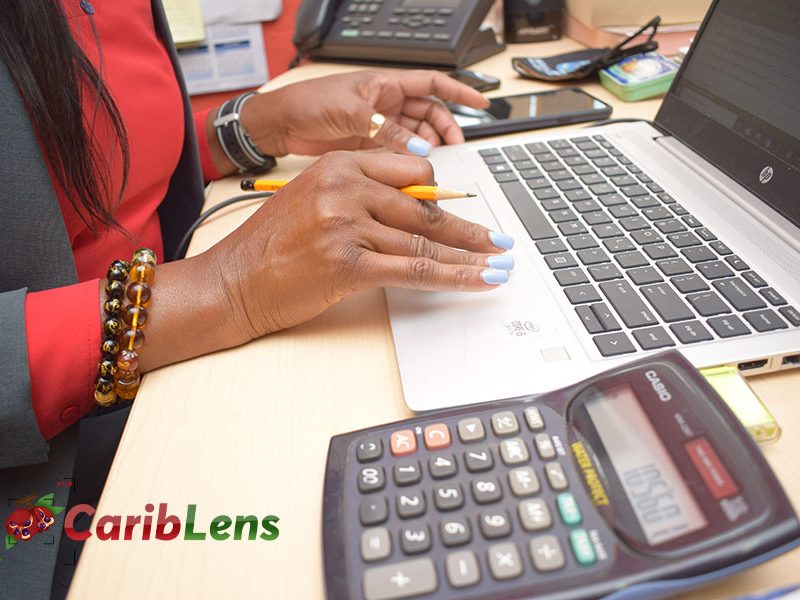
x=333, y=113
x=343, y=226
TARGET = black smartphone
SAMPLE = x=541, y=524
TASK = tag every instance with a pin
x=475, y=79
x=530, y=111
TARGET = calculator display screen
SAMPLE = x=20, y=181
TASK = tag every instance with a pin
x=662, y=502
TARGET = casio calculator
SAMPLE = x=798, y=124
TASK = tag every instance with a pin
x=636, y=483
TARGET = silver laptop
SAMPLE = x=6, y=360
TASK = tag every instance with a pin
x=634, y=237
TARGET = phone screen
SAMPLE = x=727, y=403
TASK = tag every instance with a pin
x=528, y=106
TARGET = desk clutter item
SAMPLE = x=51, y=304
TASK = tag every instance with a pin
x=640, y=76
x=622, y=484
x=532, y=21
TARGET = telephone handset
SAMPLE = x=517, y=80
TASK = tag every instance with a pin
x=442, y=33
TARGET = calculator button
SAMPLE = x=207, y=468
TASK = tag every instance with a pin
x=544, y=446
x=535, y=515
x=534, y=418
x=400, y=580
x=407, y=472
x=437, y=436
x=411, y=504
x=514, y=451
x=455, y=532
x=504, y=561
x=486, y=491
x=375, y=544
x=403, y=442
x=546, y=553
x=479, y=459
x=369, y=449
x=414, y=540
x=470, y=430
x=462, y=569
x=495, y=524
x=442, y=466
x=448, y=497
x=582, y=547
x=523, y=481
x=371, y=479
x=505, y=423
x=556, y=476
x=373, y=510
x=568, y=507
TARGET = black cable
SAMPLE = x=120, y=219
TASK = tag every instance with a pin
x=605, y=122
x=199, y=221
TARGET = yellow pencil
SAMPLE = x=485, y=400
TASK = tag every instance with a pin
x=420, y=192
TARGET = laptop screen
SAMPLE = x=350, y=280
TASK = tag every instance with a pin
x=736, y=99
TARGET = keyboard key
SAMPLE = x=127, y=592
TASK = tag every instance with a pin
x=633, y=223
x=515, y=153
x=644, y=201
x=645, y=275
x=533, y=219
x=597, y=217
x=689, y=283
x=442, y=466
x=634, y=190
x=534, y=418
x=570, y=276
x=534, y=515
x=714, y=270
x=651, y=338
x=375, y=544
x=690, y=332
x=494, y=159
x=754, y=279
x=791, y=314
x=765, y=320
x=505, y=423
x=486, y=491
x=646, y=236
x=500, y=168
x=504, y=561
x=546, y=553
x=729, y=326
x=411, y=504
x=523, y=481
x=605, y=316
x=691, y=221
x=531, y=175
x=657, y=213
x=684, y=239
x=371, y=479
x=568, y=509
x=627, y=260
x=666, y=198
x=673, y=266
x=544, y=156
x=556, y=170
x=494, y=524
x=698, y=254
x=654, y=187
x=545, y=193
x=436, y=436
x=489, y=152
x=667, y=303
x=400, y=580
x=739, y=294
x=470, y=430
x=415, y=540
x=556, y=476
x=403, y=442
x=579, y=165
x=514, y=451
x=720, y=248
x=612, y=200
x=708, y=304
x=604, y=272
x=569, y=184
x=659, y=251
x=618, y=244
x=613, y=344
x=679, y=210
x=455, y=531
x=369, y=449
x=554, y=204
x=736, y=262
x=373, y=509
x=572, y=228
x=479, y=459
x=538, y=183
x=582, y=547
x=544, y=446
x=622, y=210
x=614, y=171
x=705, y=234
x=462, y=569
x=536, y=147
x=563, y=215
x=628, y=304
x=589, y=319
x=669, y=226
x=581, y=242
x=576, y=195
x=623, y=180
x=593, y=256
x=406, y=472
x=550, y=246
x=584, y=206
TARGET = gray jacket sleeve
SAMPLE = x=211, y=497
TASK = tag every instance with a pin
x=21, y=442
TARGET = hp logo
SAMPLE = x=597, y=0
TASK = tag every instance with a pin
x=765, y=175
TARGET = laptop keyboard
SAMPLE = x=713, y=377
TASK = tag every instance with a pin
x=641, y=272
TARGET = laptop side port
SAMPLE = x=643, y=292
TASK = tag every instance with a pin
x=790, y=360
x=752, y=365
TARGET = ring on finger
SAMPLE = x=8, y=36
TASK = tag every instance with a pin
x=376, y=121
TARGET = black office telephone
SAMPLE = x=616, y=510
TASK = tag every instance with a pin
x=439, y=33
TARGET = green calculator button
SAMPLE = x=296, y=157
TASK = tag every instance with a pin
x=582, y=547
x=568, y=507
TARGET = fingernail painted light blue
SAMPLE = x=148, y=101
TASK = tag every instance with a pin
x=501, y=240
x=419, y=146
x=494, y=276
x=501, y=262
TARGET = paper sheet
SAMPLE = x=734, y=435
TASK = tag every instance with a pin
x=185, y=21
x=240, y=11
x=231, y=58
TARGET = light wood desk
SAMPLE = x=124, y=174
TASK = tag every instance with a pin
x=246, y=432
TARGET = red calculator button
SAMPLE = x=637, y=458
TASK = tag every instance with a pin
x=437, y=436
x=403, y=442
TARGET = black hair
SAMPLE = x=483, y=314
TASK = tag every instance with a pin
x=54, y=76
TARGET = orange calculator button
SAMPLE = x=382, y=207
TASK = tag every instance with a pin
x=403, y=442
x=437, y=436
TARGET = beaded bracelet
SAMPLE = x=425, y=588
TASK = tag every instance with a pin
x=116, y=276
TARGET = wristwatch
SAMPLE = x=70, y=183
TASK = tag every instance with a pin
x=235, y=142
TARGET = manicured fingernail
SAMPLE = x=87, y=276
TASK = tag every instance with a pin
x=501, y=240
x=494, y=276
x=501, y=261
x=419, y=146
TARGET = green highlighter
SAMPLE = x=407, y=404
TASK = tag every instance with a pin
x=744, y=403
x=639, y=76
